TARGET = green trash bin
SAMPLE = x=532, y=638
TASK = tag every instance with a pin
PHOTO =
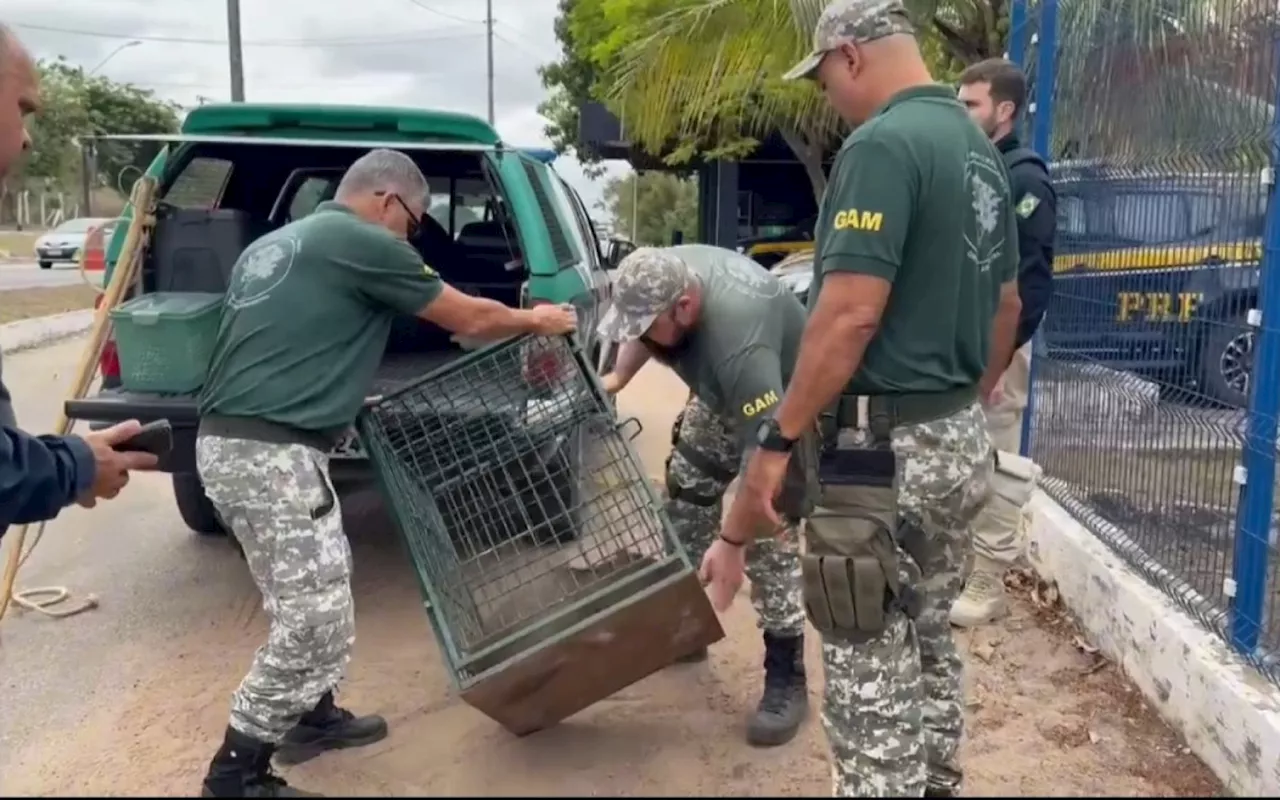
x=165, y=340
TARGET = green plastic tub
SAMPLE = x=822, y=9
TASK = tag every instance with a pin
x=166, y=340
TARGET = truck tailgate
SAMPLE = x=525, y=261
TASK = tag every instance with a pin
x=116, y=405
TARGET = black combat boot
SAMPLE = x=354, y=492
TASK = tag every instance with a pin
x=785, y=702
x=940, y=791
x=242, y=768
x=328, y=727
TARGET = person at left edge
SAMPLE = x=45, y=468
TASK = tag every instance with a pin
x=305, y=323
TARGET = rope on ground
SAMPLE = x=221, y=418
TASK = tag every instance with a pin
x=44, y=599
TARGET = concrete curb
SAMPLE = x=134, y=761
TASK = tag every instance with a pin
x=1228, y=713
x=38, y=331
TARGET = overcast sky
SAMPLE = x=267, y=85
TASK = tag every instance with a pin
x=424, y=53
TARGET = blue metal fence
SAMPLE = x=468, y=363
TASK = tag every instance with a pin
x=1156, y=373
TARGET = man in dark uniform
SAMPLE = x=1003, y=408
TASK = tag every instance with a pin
x=995, y=92
x=913, y=311
x=41, y=475
x=307, y=315
x=730, y=330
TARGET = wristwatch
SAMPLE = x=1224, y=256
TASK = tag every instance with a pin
x=769, y=437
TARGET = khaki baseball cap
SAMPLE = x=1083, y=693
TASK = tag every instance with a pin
x=851, y=21
x=647, y=282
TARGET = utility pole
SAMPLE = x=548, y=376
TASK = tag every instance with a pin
x=488, y=37
x=234, y=51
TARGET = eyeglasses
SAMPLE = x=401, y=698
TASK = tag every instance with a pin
x=414, y=226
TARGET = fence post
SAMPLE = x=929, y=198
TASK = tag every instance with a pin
x=1257, y=495
x=1041, y=139
x=1017, y=50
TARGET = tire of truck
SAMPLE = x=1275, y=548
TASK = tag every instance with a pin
x=46, y=265
x=194, y=506
x=1226, y=361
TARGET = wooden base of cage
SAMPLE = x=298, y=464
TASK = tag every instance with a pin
x=613, y=650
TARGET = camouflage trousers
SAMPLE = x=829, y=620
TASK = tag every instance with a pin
x=893, y=707
x=998, y=531
x=279, y=502
x=694, y=506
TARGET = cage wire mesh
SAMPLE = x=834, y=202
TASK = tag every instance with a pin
x=517, y=493
x=1162, y=121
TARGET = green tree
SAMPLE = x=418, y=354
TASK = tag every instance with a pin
x=571, y=80
x=76, y=106
x=655, y=203
x=700, y=78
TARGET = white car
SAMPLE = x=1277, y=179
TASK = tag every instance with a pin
x=63, y=243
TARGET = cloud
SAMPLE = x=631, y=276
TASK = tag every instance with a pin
x=422, y=53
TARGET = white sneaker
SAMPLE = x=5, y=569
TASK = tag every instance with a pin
x=982, y=601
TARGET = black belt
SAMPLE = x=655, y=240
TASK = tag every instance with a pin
x=706, y=466
x=888, y=411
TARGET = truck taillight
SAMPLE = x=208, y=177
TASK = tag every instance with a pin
x=109, y=362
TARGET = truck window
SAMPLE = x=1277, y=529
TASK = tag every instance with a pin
x=579, y=228
x=1150, y=218
x=560, y=246
x=200, y=184
x=1071, y=218
x=459, y=202
x=1205, y=211
x=313, y=191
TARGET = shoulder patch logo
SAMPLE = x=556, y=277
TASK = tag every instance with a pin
x=430, y=273
x=1027, y=205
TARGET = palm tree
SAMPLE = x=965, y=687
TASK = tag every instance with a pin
x=704, y=79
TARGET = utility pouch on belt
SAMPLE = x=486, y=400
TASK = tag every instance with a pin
x=851, y=592
x=852, y=573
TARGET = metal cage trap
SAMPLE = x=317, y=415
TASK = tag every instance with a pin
x=551, y=578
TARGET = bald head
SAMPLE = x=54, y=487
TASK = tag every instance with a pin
x=19, y=98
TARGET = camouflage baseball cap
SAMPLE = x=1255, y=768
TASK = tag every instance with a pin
x=646, y=283
x=845, y=21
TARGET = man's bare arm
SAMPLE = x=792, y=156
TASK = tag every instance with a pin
x=1004, y=333
x=632, y=356
x=843, y=322
x=480, y=318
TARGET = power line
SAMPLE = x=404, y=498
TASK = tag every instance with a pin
x=410, y=38
x=445, y=14
x=518, y=46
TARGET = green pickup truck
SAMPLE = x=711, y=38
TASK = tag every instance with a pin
x=501, y=224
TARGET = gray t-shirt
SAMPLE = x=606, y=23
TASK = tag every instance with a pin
x=740, y=357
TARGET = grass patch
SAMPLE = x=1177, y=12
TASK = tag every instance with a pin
x=19, y=244
x=18, y=304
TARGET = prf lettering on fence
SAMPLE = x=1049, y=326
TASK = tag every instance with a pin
x=1157, y=306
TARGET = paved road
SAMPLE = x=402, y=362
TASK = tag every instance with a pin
x=132, y=698
x=28, y=275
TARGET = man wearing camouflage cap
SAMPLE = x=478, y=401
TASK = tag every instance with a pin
x=916, y=258
x=730, y=330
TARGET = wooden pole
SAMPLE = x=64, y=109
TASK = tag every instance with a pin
x=122, y=277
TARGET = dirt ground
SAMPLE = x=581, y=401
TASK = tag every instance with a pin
x=39, y=302
x=1047, y=716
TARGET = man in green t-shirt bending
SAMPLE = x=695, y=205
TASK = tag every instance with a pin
x=913, y=310
x=306, y=320
x=730, y=330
